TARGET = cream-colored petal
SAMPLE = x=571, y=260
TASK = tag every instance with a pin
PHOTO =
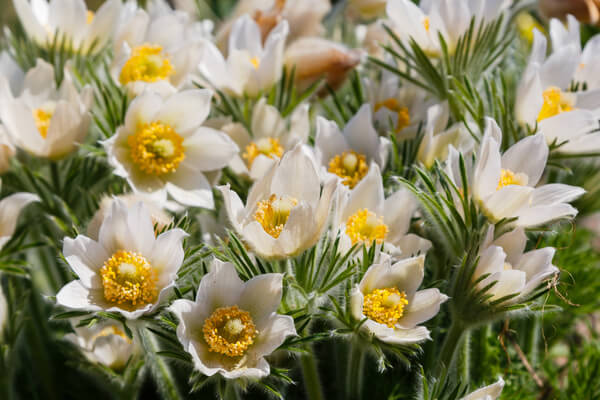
x=424, y=305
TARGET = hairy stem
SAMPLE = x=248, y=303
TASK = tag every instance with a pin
x=310, y=373
x=451, y=345
x=355, y=371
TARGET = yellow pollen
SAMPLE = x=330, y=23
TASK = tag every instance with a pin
x=554, y=103
x=269, y=147
x=156, y=148
x=385, y=306
x=273, y=213
x=89, y=17
x=426, y=23
x=255, y=62
x=364, y=226
x=42, y=121
x=229, y=331
x=129, y=280
x=507, y=177
x=402, y=113
x=350, y=166
x=147, y=63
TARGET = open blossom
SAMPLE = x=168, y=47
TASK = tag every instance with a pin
x=250, y=66
x=566, y=118
x=46, y=120
x=364, y=215
x=389, y=298
x=46, y=21
x=506, y=185
x=347, y=154
x=104, y=343
x=515, y=271
x=128, y=269
x=490, y=392
x=163, y=147
x=272, y=135
x=282, y=216
x=232, y=325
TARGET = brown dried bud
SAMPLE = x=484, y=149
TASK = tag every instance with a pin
x=587, y=11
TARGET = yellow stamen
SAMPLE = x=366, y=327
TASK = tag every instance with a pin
x=426, y=23
x=555, y=102
x=156, y=148
x=350, y=166
x=273, y=213
x=269, y=147
x=526, y=25
x=129, y=280
x=364, y=226
x=42, y=121
x=507, y=177
x=89, y=17
x=147, y=63
x=255, y=62
x=229, y=331
x=385, y=306
x=402, y=113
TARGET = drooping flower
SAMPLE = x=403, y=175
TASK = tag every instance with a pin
x=104, y=343
x=250, y=67
x=282, y=216
x=364, y=215
x=232, y=325
x=49, y=21
x=347, y=154
x=163, y=147
x=389, y=298
x=490, y=392
x=128, y=269
x=46, y=120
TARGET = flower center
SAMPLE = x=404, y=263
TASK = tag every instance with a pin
x=269, y=147
x=555, y=102
x=426, y=23
x=156, y=148
x=128, y=279
x=229, y=331
x=507, y=177
x=255, y=62
x=385, y=306
x=42, y=118
x=365, y=226
x=89, y=17
x=147, y=63
x=350, y=166
x=402, y=113
x=273, y=213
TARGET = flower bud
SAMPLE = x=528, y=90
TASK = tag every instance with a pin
x=7, y=150
x=587, y=11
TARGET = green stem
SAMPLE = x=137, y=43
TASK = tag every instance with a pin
x=354, y=373
x=55, y=177
x=451, y=344
x=465, y=358
x=310, y=373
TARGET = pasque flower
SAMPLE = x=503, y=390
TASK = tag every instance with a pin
x=45, y=21
x=46, y=120
x=282, y=216
x=347, y=154
x=490, y=392
x=232, y=325
x=128, y=269
x=10, y=209
x=163, y=147
x=389, y=298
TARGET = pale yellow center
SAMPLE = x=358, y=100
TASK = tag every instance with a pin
x=129, y=280
x=555, y=102
x=147, y=63
x=269, y=147
x=112, y=330
x=229, y=331
x=507, y=177
x=350, y=166
x=426, y=23
x=385, y=306
x=364, y=227
x=89, y=18
x=156, y=148
x=255, y=62
x=273, y=213
x=402, y=113
x=42, y=119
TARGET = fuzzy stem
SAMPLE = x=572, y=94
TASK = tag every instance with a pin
x=465, y=359
x=310, y=373
x=451, y=345
x=55, y=177
x=354, y=373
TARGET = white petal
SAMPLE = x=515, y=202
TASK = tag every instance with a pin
x=490, y=392
x=508, y=201
x=535, y=261
x=361, y=136
x=167, y=255
x=487, y=170
x=305, y=184
x=190, y=187
x=424, y=305
x=261, y=297
x=555, y=193
x=143, y=109
x=329, y=141
x=275, y=330
x=398, y=212
x=75, y=295
x=208, y=149
x=221, y=287
x=513, y=243
x=245, y=35
x=527, y=156
x=535, y=216
x=186, y=110
x=10, y=209
x=367, y=194
x=85, y=257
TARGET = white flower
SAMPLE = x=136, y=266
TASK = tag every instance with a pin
x=250, y=67
x=11, y=72
x=513, y=270
x=564, y=117
x=3, y=312
x=10, y=208
x=104, y=343
x=46, y=120
x=7, y=150
x=162, y=147
x=505, y=184
x=490, y=392
x=87, y=31
x=348, y=154
x=232, y=325
x=272, y=135
x=364, y=215
x=431, y=18
x=388, y=297
x=128, y=270
x=286, y=210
